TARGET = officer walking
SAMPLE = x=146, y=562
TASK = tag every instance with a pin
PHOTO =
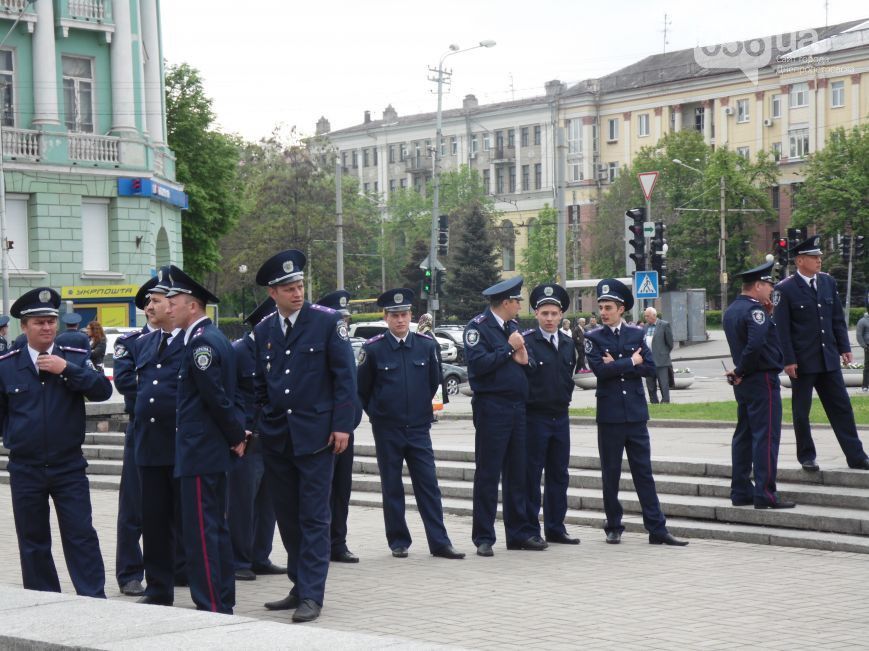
x=42, y=390
x=71, y=335
x=342, y=479
x=4, y=332
x=306, y=386
x=619, y=358
x=399, y=375
x=550, y=380
x=210, y=430
x=497, y=357
x=754, y=345
x=251, y=514
x=813, y=337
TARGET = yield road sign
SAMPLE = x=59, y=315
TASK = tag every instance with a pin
x=646, y=284
x=647, y=182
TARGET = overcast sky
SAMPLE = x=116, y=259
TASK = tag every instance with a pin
x=270, y=62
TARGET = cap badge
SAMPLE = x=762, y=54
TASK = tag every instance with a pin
x=816, y=241
x=605, y=289
x=287, y=266
x=398, y=298
x=547, y=291
x=342, y=301
x=160, y=275
x=44, y=296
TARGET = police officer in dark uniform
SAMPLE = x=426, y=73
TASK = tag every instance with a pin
x=399, y=374
x=72, y=336
x=251, y=514
x=342, y=479
x=4, y=331
x=497, y=357
x=210, y=431
x=551, y=386
x=619, y=358
x=306, y=386
x=813, y=336
x=754, y=345
x=42, y=390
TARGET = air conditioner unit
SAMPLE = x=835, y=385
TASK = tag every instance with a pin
x=472, y=155
x=767, y=122
x=728, y=110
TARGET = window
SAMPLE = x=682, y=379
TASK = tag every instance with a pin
x=499, y=141
x=95, y=222
x=643, y=125
x=487, y=142
x=612, y=171
x=699, y=118
x=374, y=156
x=391, y=153
x=523, y=137
x=508, y=246
x=574, y=137
x=776, y=197
x=365, y=188
x=776, y=151
x=742, y=114
x=744, y=152
x=376, y=187
x=776, y=106
x=799, y=95
x=499, y=180
x=511, y=177
x=17, y=232
x=538, y=176
x=576, y=172
x=799, y=142
x=487, y=181
x=526, y=178
x=7, y=99
x=391, y=186
x=511, y=138
x=355, y=159
x=454, y=145
x=364, y=158
x=537, y=135
x=403, y=184
x=837, y=95
x=443, y=147
x=343, y=159
x=78, y=93
x=402, y=152
x=612, y=132
x=473, y=145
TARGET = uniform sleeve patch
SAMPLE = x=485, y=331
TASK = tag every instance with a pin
x=588, y=345
x=202, y=357
x=341, y=329
x=776, y=297
x=120, y=351
x=759, y=316
x=472, y=337
x=361, y=356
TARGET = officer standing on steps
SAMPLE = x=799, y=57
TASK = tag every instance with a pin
x=813, y=337
x=550, y=380
x=497, y=357
x=4, y=332
x=399, y=374
x=619, y=358
x=71, y=335
x=754, y=345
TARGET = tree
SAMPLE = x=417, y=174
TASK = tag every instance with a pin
x=207, y=165
x=539, y=259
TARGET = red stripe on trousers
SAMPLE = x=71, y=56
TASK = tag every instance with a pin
x=204, y=546
x=771, y=496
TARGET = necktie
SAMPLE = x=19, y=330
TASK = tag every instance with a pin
x=289, y=327
x=43, y=375
x=616, y=332
x=507, y=329
x=812, y=285
x=401, y=343
x=163, y=341
x=552, y=341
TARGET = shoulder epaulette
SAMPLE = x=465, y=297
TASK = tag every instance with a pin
x=527, y=332
x=197, y=332
x=148, y=334
x=425, y=334
x=128, y=336
x=628, y=325
x=479, y=318
x=375, y=338
x=74, y=350
x=323, y=308
x=12, y=352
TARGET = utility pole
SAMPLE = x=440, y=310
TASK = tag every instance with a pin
x=339, y=225
x=560, y=234
x=722, y=245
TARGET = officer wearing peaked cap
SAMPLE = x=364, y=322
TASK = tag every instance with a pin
x=497, y=357
x=619, y=358
x=306, y=387
x=4, y=330
x=550, y=380
x=42, y=390
x=342, y=478
x=71, y=335
x=814, y=336
x=754, y=345
x=210, y=432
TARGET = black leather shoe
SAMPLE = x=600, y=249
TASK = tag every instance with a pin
x=245, y=575
x=485, y=549
x=287, y=603
x=308, y=611
x=534, y=544
x=613, y=537
x=400, y=552
x=133, y=588
x=268, y=568
x=448, y=552
x=666, y=539
x=811, y=466
x=154, y=601
x=345, y=557
x=562, y=539
x=780, y=504
x=863, y=465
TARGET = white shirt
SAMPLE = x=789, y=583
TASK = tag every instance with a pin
x=616, y=327
x=398, y=339
x=808, y=279
x=35, y=353
x=293, y=317
x=173, y=334
x=650, y=334
x=192, y=327
x=547, y=335
x=499, y=320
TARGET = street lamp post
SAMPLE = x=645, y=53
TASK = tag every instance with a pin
x=242, y=269
x=436, y=168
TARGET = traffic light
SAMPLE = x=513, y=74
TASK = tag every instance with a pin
x=443, y=235
x=659, y=253
x=845, y=248
x=795, y=236
x=440, y=281
x=859, y=247
x=780, y=250
x=426, y=284
x=638, y=241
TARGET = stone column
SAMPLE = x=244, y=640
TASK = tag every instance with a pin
x=855, y=99
x=45, y=90
x=677, y=117
x=707, y=120
x=150, y=35
x=588, y=171
x=656, y=127
x=758, y=124
x=721, y=137
x=626, y=134
x=123, y=96
x=817, y=132
x=784, y=107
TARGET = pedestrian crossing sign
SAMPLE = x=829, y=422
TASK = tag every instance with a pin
x=646, y=284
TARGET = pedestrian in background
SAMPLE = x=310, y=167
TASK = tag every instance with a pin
x=579, y=344
x=863, y=340
x=97, y=339
x=659, y=339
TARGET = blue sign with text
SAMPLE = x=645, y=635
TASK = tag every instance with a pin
x=142, y=187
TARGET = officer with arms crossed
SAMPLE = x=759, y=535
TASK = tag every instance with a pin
x=399, y=374
x=42, y=390
x=619, y=358
x=550, y=380
x=306, y=386
x=754, y=345
x=813, y=336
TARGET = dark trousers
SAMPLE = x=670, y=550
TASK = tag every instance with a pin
x=394, y=446
x=342, y=483
x=613, y=440
x=251, y=514
x=162, y=542
x=866, y=367
x=549, y=450
x=661, y=379
x=128, y=553
x=500, y=455
x=206, y=542
x=837, y=405
x=68, y=488
x=756, y=438
x=300, y=488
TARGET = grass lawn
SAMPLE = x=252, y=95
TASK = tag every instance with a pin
x=726, y=411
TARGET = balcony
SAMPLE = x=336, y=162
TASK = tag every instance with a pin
x=418, y=164
x=22, y=144
x=502, y=155
x=86, y=147
x=13, y=9
x=94, y=15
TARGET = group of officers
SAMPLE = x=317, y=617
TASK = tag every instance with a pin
x=225, y=440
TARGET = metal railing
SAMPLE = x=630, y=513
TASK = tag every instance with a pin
x=88, y=147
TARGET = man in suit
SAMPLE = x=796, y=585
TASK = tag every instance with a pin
x=210, y=431
x=399, y=374
x=619, y=358
x=863, y=342
x=306, y=386
x=497, y=357
x=550, y=380
x=814, y=336
x=659, y=339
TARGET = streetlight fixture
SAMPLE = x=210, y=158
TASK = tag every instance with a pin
x=436, y=167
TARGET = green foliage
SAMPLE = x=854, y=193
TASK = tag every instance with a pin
x=207, y=165
x=540, y=259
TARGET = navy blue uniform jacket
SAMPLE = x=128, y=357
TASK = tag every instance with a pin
x=491, y=369
x=44, y=424
x=752, y=336
x=124, y=368
x=550, y=377
x=811, y=328
x=621, y=397
x=306, y=384
x=245, y=359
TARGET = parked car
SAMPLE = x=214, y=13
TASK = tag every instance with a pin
x=368, y=329
x=453, y=377
x=112, y=334
x=456, y=334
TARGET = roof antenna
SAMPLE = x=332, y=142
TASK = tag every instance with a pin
x=667, y=24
